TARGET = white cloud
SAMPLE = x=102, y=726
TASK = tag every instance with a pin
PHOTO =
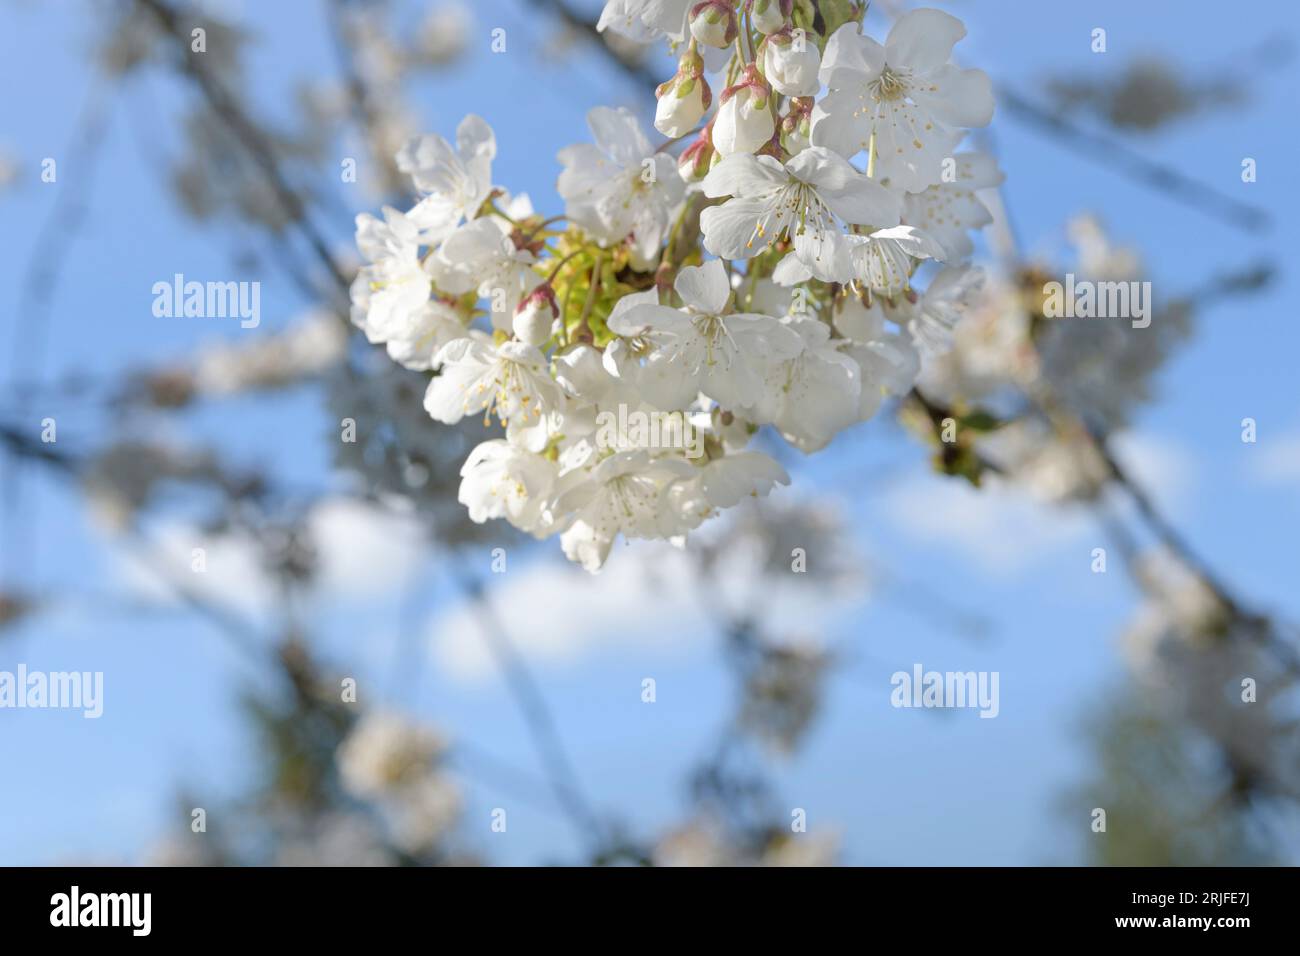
x=1276, y=461
x=362, y=552
x=230, y=575
x=1004, y=530
x=1001, y=529
x=555, y=612
x=648, y=594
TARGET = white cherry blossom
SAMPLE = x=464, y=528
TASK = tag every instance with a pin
x=904, y=100
x=883, y=261
x=889, y=362
x=629, y=380
x=645, y=20
x=621, y=495
x=807, y=199
x=931, y=319
x=722, y=483
x=813, y=395
x=705, y=349
x=455, y=181
x=620, y=186
x=684, y=98
x=511, y=379
x=390, y=295
x=949, y=211
x=480, y=257
x=501, y=480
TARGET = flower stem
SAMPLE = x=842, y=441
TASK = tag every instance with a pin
x=591, y=296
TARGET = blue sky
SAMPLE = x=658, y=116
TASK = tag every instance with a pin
x=901, y=786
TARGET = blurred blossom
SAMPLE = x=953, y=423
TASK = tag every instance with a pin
x=311, y=346
x=180, y=849
x=702, y=843
x=1179, y=607
x=395, y=764
x=1101, y=369
x=1098, y=256
x=386, y=752
x=335, y=839
x=378, y=54
x=443, y=34
x=693, y=845
x=135, y=38
x=782, y=694
x=1053, y=467
x=990, y=346
x=1193, y=652
x=422, y=813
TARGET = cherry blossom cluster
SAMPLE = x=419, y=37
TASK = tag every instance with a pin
x=790, y=268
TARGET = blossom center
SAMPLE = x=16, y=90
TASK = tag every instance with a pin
x=795, y=203
x=891, y=85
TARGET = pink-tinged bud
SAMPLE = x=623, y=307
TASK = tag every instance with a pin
x=696, y=158
x=768, y=16
x=744, y=121
x=796, y=125
x=713, y=23
x=684, y=98
x=535, y=315
x=791, y=63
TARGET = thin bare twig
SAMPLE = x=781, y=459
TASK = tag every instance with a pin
x=248, y=134
x=537, y=715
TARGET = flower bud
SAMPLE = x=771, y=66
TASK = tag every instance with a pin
x=696, y=158
x=535, y=315
x=791, y=62
x=713, y=23
x=744, y=121
x=796, y=125
x=769, y=16
x=684, y=98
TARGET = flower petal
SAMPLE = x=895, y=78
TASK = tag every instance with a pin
x=839, y=122
x=475, y=139
x=850, y=58
x=923, y=39
x=618, y=133
x=729, y=230
x=746, y=175
x=704, y=288
x=957, y=97
x=850, y=194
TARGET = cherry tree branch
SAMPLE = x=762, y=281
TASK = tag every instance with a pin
x=519, y=679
